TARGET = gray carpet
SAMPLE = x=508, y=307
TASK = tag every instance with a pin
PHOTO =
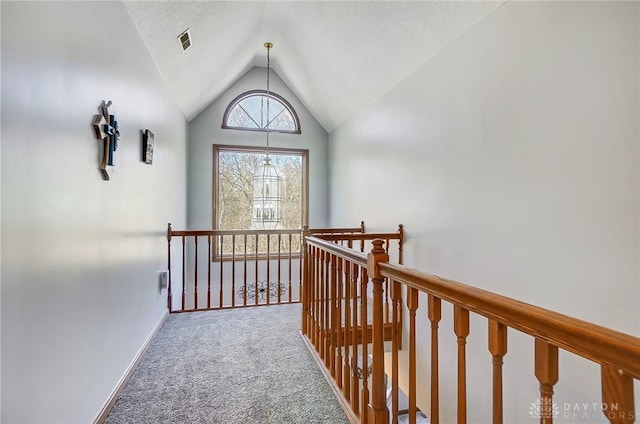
x=232, y=366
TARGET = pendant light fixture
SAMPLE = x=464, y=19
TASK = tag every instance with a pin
x=267, y=182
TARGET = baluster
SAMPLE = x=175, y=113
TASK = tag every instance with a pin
x=268, y=269
x=327, y=311
x=195, y=276
x=412, y=305
x=300, y=268
x=435, y=314
x=321, y=304
x=348, y=353
x=319, y=308
x=309, y=287
x=355, y=383
x=233, y=271
x=183, y=273
x=400, y=240
x=339, y=339
x=318, y=287
x=546, y=369
x=244, y=277
x=279, y=267
x=498, y=348
x=333, y=324
x=313, y=306
x=364, y=325
x=396, y=297
x=209, y=270
x=304, y=294
x=257, y=292
x=387, y=309
x=617, y=395
x=313, y=288
x=220, y=304
x=169, y=294
x=461, y=324
x=300, y=294
x=386, y=289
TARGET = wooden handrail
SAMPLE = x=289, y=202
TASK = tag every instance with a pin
x=354, y=233
x=346, y=230
x=594, y=342
x=363, y=236
x=179, y=233
x=340, y=251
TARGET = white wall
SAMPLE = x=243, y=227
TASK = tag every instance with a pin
x=80, y=255
x=512, y=159
x=205, y=131
x=637, y=384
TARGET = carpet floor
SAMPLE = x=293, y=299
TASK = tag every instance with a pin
x=229, y=366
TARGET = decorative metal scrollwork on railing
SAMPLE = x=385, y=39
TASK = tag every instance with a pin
x=358, y=368
x=262, y=289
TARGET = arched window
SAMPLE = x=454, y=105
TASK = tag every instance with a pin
x=248, y=111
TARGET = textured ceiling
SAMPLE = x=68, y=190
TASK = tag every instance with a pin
x=337, y=56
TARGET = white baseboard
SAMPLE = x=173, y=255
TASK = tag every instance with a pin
x=102, y=416
x=337, y=392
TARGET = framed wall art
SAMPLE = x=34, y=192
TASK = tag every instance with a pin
x=147, y=146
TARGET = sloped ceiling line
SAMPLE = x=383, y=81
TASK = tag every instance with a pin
x=337, y=57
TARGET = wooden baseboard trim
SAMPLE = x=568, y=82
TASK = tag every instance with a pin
x=102, y=416
x=344, y=403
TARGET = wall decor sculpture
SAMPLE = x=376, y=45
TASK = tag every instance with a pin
x=106, y=130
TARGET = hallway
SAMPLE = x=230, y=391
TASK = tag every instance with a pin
x=230, y=366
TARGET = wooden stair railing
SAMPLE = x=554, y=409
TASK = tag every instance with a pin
x=219, y=269
x=618, y=354
x=222, y=269
x=337, y=311
x=332, y=271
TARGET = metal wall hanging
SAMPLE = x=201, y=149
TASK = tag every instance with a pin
x=106, y=130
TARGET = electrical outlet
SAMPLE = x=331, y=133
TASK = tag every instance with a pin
x=163, y=279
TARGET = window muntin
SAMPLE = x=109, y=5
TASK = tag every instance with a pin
x=248, y=111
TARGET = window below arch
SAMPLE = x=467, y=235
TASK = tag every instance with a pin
x=248, y=111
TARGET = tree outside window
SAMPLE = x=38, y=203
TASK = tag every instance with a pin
x=234, y=170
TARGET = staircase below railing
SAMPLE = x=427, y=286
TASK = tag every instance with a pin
x=336, y=321
x=337, y=311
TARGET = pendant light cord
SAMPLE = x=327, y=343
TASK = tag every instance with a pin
x=268, y=45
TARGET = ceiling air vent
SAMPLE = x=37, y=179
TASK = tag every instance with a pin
x=185, y=40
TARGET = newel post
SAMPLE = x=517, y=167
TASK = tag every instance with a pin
x=305, y=282
x=169, y=266
x=378, y=411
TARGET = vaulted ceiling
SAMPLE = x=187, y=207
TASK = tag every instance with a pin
x=336, y=56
